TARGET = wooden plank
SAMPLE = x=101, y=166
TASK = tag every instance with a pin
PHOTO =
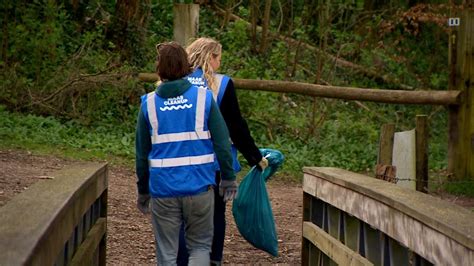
x=83, y=255
x=432, y=97
x=35, y=224
x=445, y=235
x=330, y=246
x=422, y=153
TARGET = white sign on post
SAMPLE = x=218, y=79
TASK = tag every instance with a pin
x=404, y=158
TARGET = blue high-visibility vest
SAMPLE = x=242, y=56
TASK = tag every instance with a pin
x=197, y=78
x=181, y=161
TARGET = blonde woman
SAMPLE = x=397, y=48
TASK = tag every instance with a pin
x=205, y=58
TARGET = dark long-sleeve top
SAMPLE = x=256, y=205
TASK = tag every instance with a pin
x=238, y=128
x=217, y=128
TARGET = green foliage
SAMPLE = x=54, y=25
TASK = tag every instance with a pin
x=462, y=187
x=35, y=38
x=29, y=131
x=50, y=52
x=161, y=22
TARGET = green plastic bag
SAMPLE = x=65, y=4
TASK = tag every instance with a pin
x=252, y=210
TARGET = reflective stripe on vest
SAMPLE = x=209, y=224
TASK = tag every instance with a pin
x=220, y=87
x=182, y=161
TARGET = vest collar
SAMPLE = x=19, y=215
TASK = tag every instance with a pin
x=173, y=88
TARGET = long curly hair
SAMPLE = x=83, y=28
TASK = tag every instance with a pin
x=200, y=53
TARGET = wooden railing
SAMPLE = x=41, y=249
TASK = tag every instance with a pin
x=346, y=93
x=58, y=221
x=352, y=219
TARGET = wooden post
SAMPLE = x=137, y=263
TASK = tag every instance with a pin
x=386, y=144
x=461, y=118
x=384, y=169
x=422, y=153
x=185, y=22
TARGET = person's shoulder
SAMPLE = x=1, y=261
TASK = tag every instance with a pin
x=146, y=95
x=224, y=75
x=226, y=79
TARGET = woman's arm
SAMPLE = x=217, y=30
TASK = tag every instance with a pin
x=220, y=141
x=238, y=128
x=142, y=149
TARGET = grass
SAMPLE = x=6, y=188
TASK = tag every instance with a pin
x=461, y=187
x=48, y=136
x=45, y=135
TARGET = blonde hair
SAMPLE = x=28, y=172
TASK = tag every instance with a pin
x=199, y=54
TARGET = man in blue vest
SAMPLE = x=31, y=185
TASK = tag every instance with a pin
x=179, y=130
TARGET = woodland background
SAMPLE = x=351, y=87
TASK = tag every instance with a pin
x=69, y=86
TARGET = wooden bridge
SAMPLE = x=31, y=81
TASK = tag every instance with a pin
x=58, y=221
x=348, y=219
x=352, y=219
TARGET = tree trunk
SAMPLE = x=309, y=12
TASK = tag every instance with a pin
x=287, y=16
x=185, y=22
x=128, y=24
x=6, y=19
x=461, y=118
x=265, y=26
x=254, y=12
x=323, y=34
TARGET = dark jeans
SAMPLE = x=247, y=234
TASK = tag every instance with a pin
x=219, y=230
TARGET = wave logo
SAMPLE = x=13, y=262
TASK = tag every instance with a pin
x=176, y=103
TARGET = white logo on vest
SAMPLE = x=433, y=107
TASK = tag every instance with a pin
x=176, y=103
x=196, y=80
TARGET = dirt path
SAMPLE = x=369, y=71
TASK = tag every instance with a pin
x=130, y=238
